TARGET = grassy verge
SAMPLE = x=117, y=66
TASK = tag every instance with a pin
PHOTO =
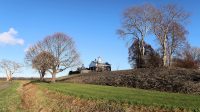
x=9, y=98
x=128, y=95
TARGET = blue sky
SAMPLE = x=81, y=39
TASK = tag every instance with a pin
x=91, y=23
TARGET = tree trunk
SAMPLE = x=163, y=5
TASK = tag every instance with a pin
x=41, y=78
x=170, y=60
x=53, y=80
x=142, y=53
x=165, y=51
x=142, y=46
x=8, y=78
x=42, y=74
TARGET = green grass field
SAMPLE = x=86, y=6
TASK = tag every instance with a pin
x=128, y=95
x=9, y=98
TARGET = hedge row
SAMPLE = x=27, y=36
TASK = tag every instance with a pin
x=162, y=79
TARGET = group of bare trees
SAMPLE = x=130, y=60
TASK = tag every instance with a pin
x=54, y=54
x=57, y=52
x=188, y=58
x=167, y=24
x=9, y=68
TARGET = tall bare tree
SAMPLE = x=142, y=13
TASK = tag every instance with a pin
x=162, y=20
x=10, y=67
x=42, y=62
x=136, y=24
x=61, y=47
x=176, y=40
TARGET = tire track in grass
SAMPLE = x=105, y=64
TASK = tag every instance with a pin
x=32, y=98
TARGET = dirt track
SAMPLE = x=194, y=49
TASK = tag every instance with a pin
x=31, y=97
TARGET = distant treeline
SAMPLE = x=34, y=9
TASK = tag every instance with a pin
x=23, y=78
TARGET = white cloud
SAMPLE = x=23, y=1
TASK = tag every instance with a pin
x=10, y=37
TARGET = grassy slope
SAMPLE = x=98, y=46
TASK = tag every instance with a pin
x=9, y=98
x=127, y=95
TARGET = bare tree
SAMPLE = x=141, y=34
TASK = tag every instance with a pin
x=59, y=46
x=188, y=58
x=9, y=67
x=163, y=19
x=136, y=24
x=176, y=40
x=42, y=62
x=195, y=52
